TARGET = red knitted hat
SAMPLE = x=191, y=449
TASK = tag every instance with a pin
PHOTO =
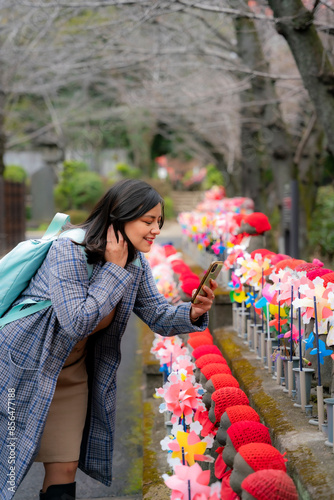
x=199, y=340
x=259, y=221
x=245, y=432
x=214, y=368
x=227, y=396
x=321, y=271
x=262, y=456
x=205, y=332
x=188, y=283
x=309, y=266
x=209, y=358
x=242, y=412
x=224, y=380
x=169, y=250
x=263, y=252
x=278, y=257
x=328, y=278
x=205, y=349
x=283, y=264
x=270, y=484
x=178, y=266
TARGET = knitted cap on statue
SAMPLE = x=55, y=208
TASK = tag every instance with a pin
x=216, y=382
x=209, y=358
x=262, y=456
x=241, y=433
x=234, y=414
x=270, y=484
x=212, y=369
x=328, y=278
x=198, y=340
x=204, y=332
x=223, y=398
x=205, y=349
x=253, y=457
x=255, y=223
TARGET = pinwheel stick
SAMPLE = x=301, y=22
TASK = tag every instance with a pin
x=300, y=336
x=317, y=338
x=189, y=490
x=291, y=321
x=320, y=395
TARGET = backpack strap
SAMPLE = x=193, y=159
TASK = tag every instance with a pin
x=30, y=306
x=20, y=311
x=58, y=221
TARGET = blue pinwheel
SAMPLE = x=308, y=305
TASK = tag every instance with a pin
x=309, y=341
x=250, y=298
x=323, y=352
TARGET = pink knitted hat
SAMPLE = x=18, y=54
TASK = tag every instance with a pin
x=199, y=340
x=317, y=272
x=262, y=456
x=209, y=358
x=214, y=368
x=227, y=396
x=246, y=432
x=205, y=349
x=223, y=380
x=242, y=412
x=270, y=484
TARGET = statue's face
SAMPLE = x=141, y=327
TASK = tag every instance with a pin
x=224, y=425
x=241, y=469
x=212, y=416
x=207, y=400
x=229, y=452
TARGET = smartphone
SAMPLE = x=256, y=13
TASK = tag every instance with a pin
x=212, y=273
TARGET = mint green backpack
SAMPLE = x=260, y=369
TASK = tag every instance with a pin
x=20, y=265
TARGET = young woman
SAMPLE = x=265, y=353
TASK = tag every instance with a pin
x=60, y=364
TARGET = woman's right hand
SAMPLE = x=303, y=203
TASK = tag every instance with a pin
x=116, y=251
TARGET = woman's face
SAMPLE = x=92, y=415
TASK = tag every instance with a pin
x=142, y=232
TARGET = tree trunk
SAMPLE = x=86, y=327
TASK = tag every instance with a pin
x=265, y=140
x=294, y=23
x=2, y=132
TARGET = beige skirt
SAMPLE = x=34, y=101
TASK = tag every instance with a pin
x=62, y=435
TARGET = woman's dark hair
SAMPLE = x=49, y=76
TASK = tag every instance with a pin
x=125, y=201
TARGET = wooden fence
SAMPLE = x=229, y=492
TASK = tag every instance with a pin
x=12, y=214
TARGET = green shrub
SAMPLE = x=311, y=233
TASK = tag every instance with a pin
x=169, y=208
x=86, y=189
x=15, y=173
x=214, y=177
x=77, y=216
x=79, y=188
x=321, y=234
x=127, y=171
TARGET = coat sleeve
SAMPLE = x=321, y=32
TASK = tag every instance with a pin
x=163, y=318
x=80, y=304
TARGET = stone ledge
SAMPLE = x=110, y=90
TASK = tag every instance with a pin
x=310, y=462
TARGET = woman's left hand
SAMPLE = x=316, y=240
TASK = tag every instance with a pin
x=204, y=301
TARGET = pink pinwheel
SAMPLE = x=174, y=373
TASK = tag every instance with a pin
x=252, y=271
x=295, y=333
x=186, y=478
x=202, y=496
x=181, y=398
x=168, y=350
x=184, y=363
x=308, y=292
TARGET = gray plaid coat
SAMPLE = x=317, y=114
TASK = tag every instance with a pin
x=34, y=349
